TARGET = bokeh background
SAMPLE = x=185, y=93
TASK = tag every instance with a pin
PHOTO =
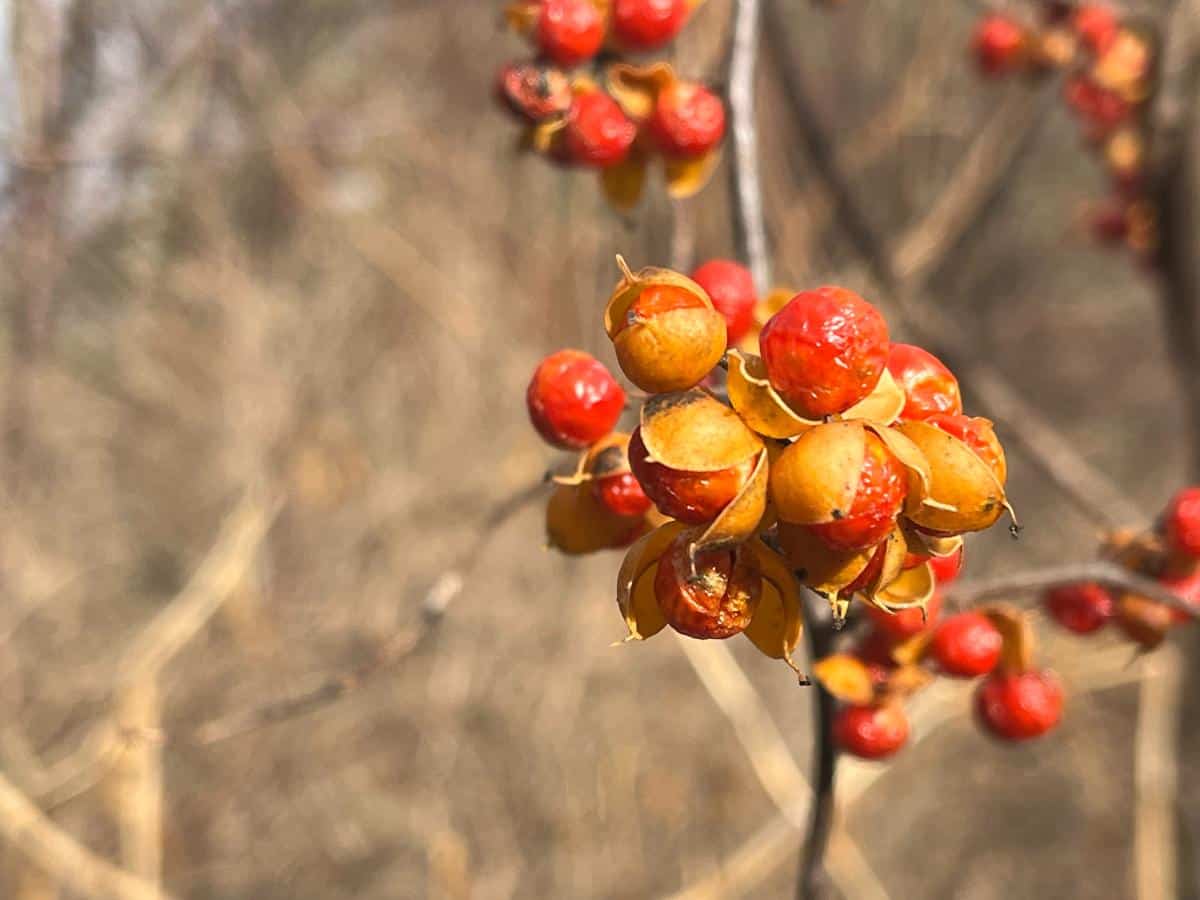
x=290, y=250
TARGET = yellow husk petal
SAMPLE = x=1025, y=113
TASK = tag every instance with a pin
x=912, y=588
x=624, y=183
x=635, y=582
x=688, y=177
x=578, y=523
x=636, y=88
x=778, y=622
x=846, y=677
x=692, y=431
x=741, y=518
x=816, y=479
x=816, y=566
x=883, y=405
x=964, y=493
x=757, y=402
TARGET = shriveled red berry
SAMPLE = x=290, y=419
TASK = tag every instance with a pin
x=967, y=645
x=570, y=31
x=1181, y=522
x=648, y=24
x=907, y=622
x=1081, y=608
x=1096, y=26
x=717, y=600
x=871, y=732
x=688, y=120
x=573, y=400
x=622, y=494
x=998, y=45
x=824, y=351
x=882, y=486
x=731, y=288
x=1017, y=707
x=598, y=133
x=929, y=387
x=692, y=497
x=534, y=92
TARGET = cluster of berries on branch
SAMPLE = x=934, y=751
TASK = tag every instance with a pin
x=1106, y=65
x=835, y=460
x=1169, y=553
x=584, y=105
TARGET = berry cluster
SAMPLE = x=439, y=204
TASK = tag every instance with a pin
x=1107, y=68
x=837, y=460
x=1170, y=554
x=617, y=118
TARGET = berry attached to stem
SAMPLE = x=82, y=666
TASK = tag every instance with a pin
x=688, y=120
x=573, y=400
x=966, y=645
x=714, y=599
x=999, y=45
x=882, y=486
x=1019, y=706
x=871, y=732
x=648, y=24
x=929, y=387
x=1081, y=608
x=1181, y=522
x=730, y=286
x=692, y=497
x=570, y=32
x=598, y=133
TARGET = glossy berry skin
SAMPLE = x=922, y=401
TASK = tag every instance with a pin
x=731, y=288
x=1181, y=522
x=966, y=645
x=946, y=568
x=718, y=602
x=869, y=574
x=871, y=732
x=656, y=300
x=573, y=400
x=533, y=92
x=882, y=486
x=1018, y=707
x=688, y=120
x=998, y=45
x=824, y=351
x=647, y=24
x=929, y=387
x=598, y=133
x=1081, y=608
x=569, y=32
x=622, y=494
x=906, y=623
x=691, y=497
x=1096, y=26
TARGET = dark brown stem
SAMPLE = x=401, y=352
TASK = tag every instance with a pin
x=812, y=882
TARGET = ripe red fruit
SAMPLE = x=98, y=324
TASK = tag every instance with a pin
x=998, y=45
x=692, y=497
x=882, y=486
x=967, y=645
x=570, y=31
x=1100, y=108
x=1181, y=522
x=907, y=622
x=717, y=601
x=871, y=732
x=622, y=494
x=1081, y=608
x=824, y=351
x=688, y=120
x=598, y=133
x=648, y=24
x=533, y=92
x=731, y=287
x=1017, y=707
x=1096, y=26
x=946, y=568
x=573, y=400
x=929, y=387
x=1187, y=588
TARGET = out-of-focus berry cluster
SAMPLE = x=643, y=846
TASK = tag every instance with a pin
x=584, y=104
x=1106, y=65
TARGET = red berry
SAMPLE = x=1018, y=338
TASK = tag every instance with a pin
x=882, y=486
x=713, y=596
x=929, y=387
x=946, y=568
x=871, y=732
x=573, y=400
x=967, y=644
x=1017, y=707
x=570, y=31
x=647, y=24
x=998, y=45
x=1099, y=107
x=534, y=92
x=825, y=351
x=1181, y=522
x=692, y=497
x=622, y=494
x=598, y=132
x=1187, y=588
x=688, y=120
x=731, y=287
x=1081, y=608
x=1096, y=26
x=907, y=622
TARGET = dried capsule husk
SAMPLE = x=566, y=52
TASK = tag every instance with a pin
x=908, y=589
x=757, y=402
x=692, y=431
x=816, y=566
x=709, y=597
x=635, y=582
x=688, y=176
x=636, y=88
x=921, y=543
x=778, y=623
x=965, y=494
x=816, y=479
x=743, y=517
x=578, y=523
x=670, y=351
x=624, y=183
x=904, y=681
x=1016, y=655
x=846, y=677
x=608, y=456
x=883, y=405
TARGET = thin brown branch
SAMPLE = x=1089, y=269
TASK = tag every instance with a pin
x=750, y=226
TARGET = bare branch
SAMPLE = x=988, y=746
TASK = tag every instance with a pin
x=750, y=225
